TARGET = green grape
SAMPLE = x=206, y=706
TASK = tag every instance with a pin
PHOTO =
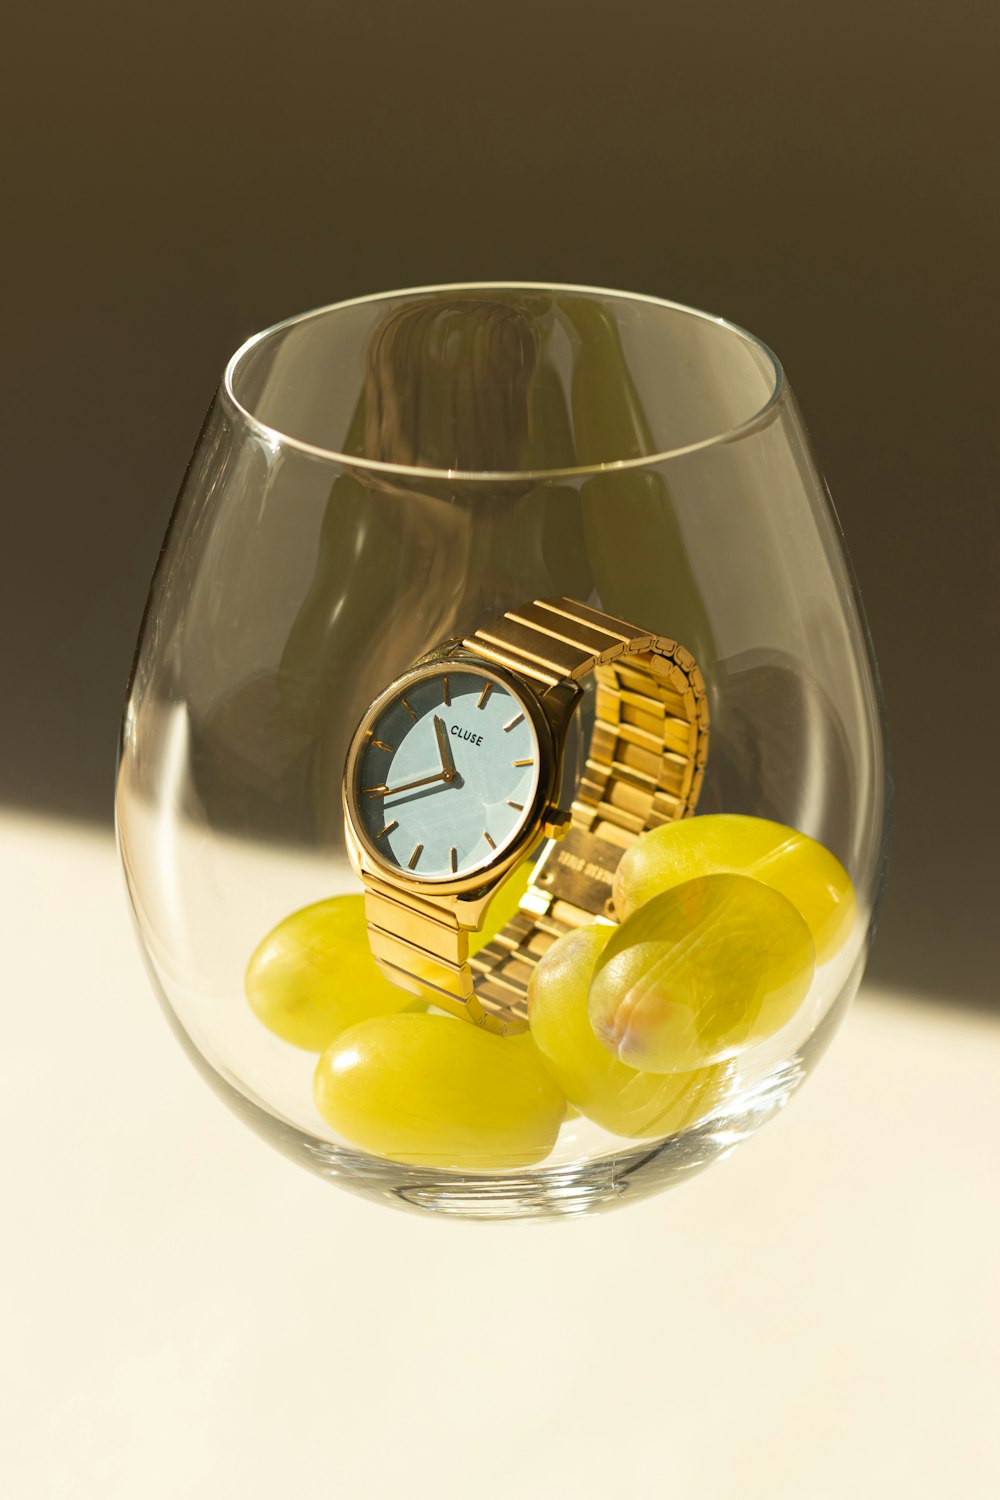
x=700, y=972
x=435, y=1091
x=602, y=1088
x=812, y=879
x=314, y=975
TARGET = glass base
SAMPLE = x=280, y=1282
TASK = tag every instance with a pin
x=585, y=1187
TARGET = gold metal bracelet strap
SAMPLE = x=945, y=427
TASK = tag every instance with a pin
x=644, y=767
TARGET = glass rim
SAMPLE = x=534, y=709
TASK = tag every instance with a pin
x=275, y=438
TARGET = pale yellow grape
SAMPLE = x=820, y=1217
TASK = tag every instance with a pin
x=804, y=871
x=527, y=1041
x=699, y=973
x=602, y=1088
x=435, y=1091
x=314, y=975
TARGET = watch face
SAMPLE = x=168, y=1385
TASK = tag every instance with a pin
x=447, y=773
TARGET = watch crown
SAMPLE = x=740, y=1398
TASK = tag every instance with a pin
x=556, y=823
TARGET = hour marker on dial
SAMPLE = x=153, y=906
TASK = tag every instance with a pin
x=387, y=829
x=528, y=762
x=517, y=806
x=489, y=840
x=447, y=694
x=375, y=791
x=487, y=690
x=381, y=744
x=511, y=722
x=415, y=856
x=409, y=710
x=454, y=860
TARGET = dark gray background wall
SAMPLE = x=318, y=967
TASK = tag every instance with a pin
x=824, y=173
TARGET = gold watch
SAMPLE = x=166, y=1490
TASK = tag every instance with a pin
x=453, y=779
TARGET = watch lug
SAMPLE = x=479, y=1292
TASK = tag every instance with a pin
x=559, y=704
x=470, y=907
x=438, y=652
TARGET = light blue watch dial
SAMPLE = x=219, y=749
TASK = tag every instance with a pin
x=447, y=774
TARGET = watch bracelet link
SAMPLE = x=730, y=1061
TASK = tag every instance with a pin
x=644, y=767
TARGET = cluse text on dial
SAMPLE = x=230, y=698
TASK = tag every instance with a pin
x=466, y=734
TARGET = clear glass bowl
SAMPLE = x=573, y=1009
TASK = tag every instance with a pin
x=379, y=475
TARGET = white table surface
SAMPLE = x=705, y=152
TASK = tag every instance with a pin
x=186, y=1313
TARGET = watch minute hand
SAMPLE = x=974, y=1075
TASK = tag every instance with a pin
x=390, y=791
x=447, y=760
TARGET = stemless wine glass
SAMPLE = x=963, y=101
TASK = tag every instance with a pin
x=383, y=474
